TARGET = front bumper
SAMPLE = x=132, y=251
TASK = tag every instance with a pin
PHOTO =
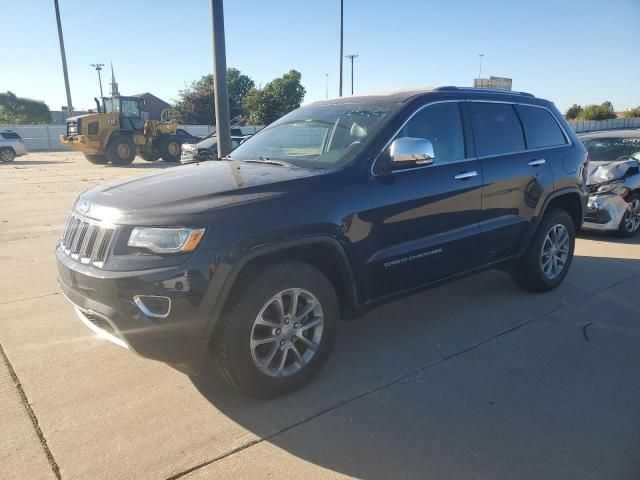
x=104, y=301
x=81, y=143
x=604, y=212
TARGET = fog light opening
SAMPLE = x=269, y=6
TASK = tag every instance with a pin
x=153, y=305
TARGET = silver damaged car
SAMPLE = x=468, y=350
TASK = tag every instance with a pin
x=614, y=181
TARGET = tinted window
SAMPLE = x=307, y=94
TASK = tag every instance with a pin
x=541, y=128
x=496, y=128
x=10, y=136
x=440, y=123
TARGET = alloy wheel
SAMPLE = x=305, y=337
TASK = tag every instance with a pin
x=555, y=251
x=287, y=332
x=632, y=216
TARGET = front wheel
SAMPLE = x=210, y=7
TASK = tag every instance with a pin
x=630, y=223
x=121, y=151
x=97, y=159
x=278, y=331
x=548, y=258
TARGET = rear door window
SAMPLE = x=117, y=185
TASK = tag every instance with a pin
x=496, y=128
x=540, y=127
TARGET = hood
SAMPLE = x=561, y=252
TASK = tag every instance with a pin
x=188, y=189
x=602, y=172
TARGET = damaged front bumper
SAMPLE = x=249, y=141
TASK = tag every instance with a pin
x=604, y=212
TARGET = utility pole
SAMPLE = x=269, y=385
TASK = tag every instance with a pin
x=326, y=86
x=220, y=89
x=480, y=72
x=98, y=67
x=341, y=43
x=64, y=59
x=351, y=57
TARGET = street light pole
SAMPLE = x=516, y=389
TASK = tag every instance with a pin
x=341, y=43
x=64, y=59
x=98, y=67
x=351, y=57
x=480, y=72
x=326, y=86
x=220, y=88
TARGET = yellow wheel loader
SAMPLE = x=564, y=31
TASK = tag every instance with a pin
x=117, y=133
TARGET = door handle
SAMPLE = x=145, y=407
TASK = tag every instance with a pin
x=535, y=163
x=465, y=175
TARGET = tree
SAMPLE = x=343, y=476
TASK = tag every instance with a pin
x=632, y=113
x=603, y=111
x=195, y=105
x=277, y=98
x=15, y=110
x=573, y=112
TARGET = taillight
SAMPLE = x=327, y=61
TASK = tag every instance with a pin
x=22, y=140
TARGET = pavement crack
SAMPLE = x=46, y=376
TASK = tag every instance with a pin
x=585, y=334
x=34, y=420
x=30, y=298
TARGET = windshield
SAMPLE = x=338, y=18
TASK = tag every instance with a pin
x=317, y=136
x=610, y=149
x=112, y=105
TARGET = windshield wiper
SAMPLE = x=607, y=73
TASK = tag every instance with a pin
x=269, y=161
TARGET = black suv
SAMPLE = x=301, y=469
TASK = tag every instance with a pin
x=337, y=207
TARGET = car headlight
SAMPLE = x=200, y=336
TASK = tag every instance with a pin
x=614, y=188
x=166, y=240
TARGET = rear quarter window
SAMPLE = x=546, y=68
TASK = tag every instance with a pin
x=541, y=128
x=10, y=135
x=496, y=128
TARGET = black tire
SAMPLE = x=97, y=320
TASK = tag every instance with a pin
x=150, y=156
x=7, y=155
x=97, y=159
x=628, y=229
x=121, y=150
x=529, y=273
x=170, y=148
x=231, y=343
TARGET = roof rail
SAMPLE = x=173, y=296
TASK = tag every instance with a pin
x=449, y=88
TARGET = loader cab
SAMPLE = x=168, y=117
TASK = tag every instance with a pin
x=129, y=110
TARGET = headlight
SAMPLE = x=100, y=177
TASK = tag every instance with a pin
x=614, y=188
x=166, y=240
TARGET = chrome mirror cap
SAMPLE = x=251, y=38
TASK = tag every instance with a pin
x=410, y=149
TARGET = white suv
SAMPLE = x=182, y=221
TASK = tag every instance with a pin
x=11, y=146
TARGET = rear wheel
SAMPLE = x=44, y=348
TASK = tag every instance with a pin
x=630, y=223
x=121, y=151
x=97, y=159
x=7, y=155
x=548, y=258
x=279, y=330
x=170, y=148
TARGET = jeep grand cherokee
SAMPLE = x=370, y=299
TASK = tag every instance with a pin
x=337, y=207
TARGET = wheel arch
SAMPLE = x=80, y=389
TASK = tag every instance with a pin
x=323, y=252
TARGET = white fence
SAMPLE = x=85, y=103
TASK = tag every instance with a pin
x=593, y=125
x=47, y=137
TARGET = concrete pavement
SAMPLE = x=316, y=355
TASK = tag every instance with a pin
x=475, y=379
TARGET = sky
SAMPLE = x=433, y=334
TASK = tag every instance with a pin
x=564, y=50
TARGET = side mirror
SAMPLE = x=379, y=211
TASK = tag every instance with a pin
x=415, y=150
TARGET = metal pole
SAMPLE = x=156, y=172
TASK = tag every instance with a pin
x=341, y=43
x=98, y=67
x=64, y=59
x=220, y=89
x=480, y=72
x=351, y=57
x=326, y=86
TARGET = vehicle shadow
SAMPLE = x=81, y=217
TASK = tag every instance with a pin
x=390, y=404
x=145, y=165
x=18, y=163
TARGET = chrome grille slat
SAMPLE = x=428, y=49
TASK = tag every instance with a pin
x=86, y=240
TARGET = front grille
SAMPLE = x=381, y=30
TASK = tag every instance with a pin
x=86, y=241
x=73, y=128
x=100, y=322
